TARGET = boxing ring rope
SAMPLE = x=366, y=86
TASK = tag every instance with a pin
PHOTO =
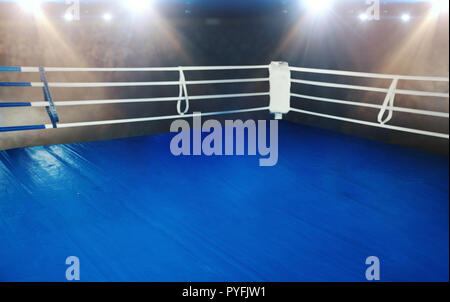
x=274, y=81
x=140, y=100
x=127, y=84
x=182, y=83
x=103, y=69
x=388, y=103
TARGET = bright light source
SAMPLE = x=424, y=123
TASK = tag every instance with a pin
x=107, y=17
x=363, y=17
x=439, y=6
x=31, y=6
x=318, y=6
x=38, y=13
x=69, y=17
x=406, y=17
x=137, y=5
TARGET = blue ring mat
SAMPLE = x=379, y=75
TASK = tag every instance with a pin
x=131, y=211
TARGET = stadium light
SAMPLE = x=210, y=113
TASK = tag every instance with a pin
x=363, y=17
x=31, y=6
x=68, y=17
x=439, y=6
x=406, y=17
x=107, y=16
x=318, y=6
x=137, y=5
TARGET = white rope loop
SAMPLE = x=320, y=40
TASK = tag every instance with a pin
x=182, y=88
x=388, y=102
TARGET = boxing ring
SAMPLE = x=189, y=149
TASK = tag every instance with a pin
x=132, y=211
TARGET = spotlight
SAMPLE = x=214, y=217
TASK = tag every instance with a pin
x=363, y=17
x=406, y=17
x=38, y=13
x=68, y=17
x=137, y=5
x=318, y=6
x=439, y=6
x=107, y=17
x=31, y=6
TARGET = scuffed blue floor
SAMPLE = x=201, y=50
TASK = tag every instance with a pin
x=131, y=211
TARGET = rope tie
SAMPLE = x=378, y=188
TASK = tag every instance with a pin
x=51, y=110
x=183, y=89
x=388, y=102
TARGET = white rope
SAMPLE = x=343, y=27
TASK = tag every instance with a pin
x=186, y=68
x=345, y=119
x=157, y=83
x=153, y=118
x=194, y=68
x=182, y=88
x=369, y=75
x=376, y=106
x=145, y=100
x=374, y=89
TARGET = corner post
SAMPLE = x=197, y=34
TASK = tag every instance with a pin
x=280, y=89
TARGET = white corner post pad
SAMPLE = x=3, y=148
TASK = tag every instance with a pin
x=280, y=89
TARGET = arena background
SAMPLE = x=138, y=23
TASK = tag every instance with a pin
x=183, y=33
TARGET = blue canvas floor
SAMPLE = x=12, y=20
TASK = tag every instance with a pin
x=131, y=211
